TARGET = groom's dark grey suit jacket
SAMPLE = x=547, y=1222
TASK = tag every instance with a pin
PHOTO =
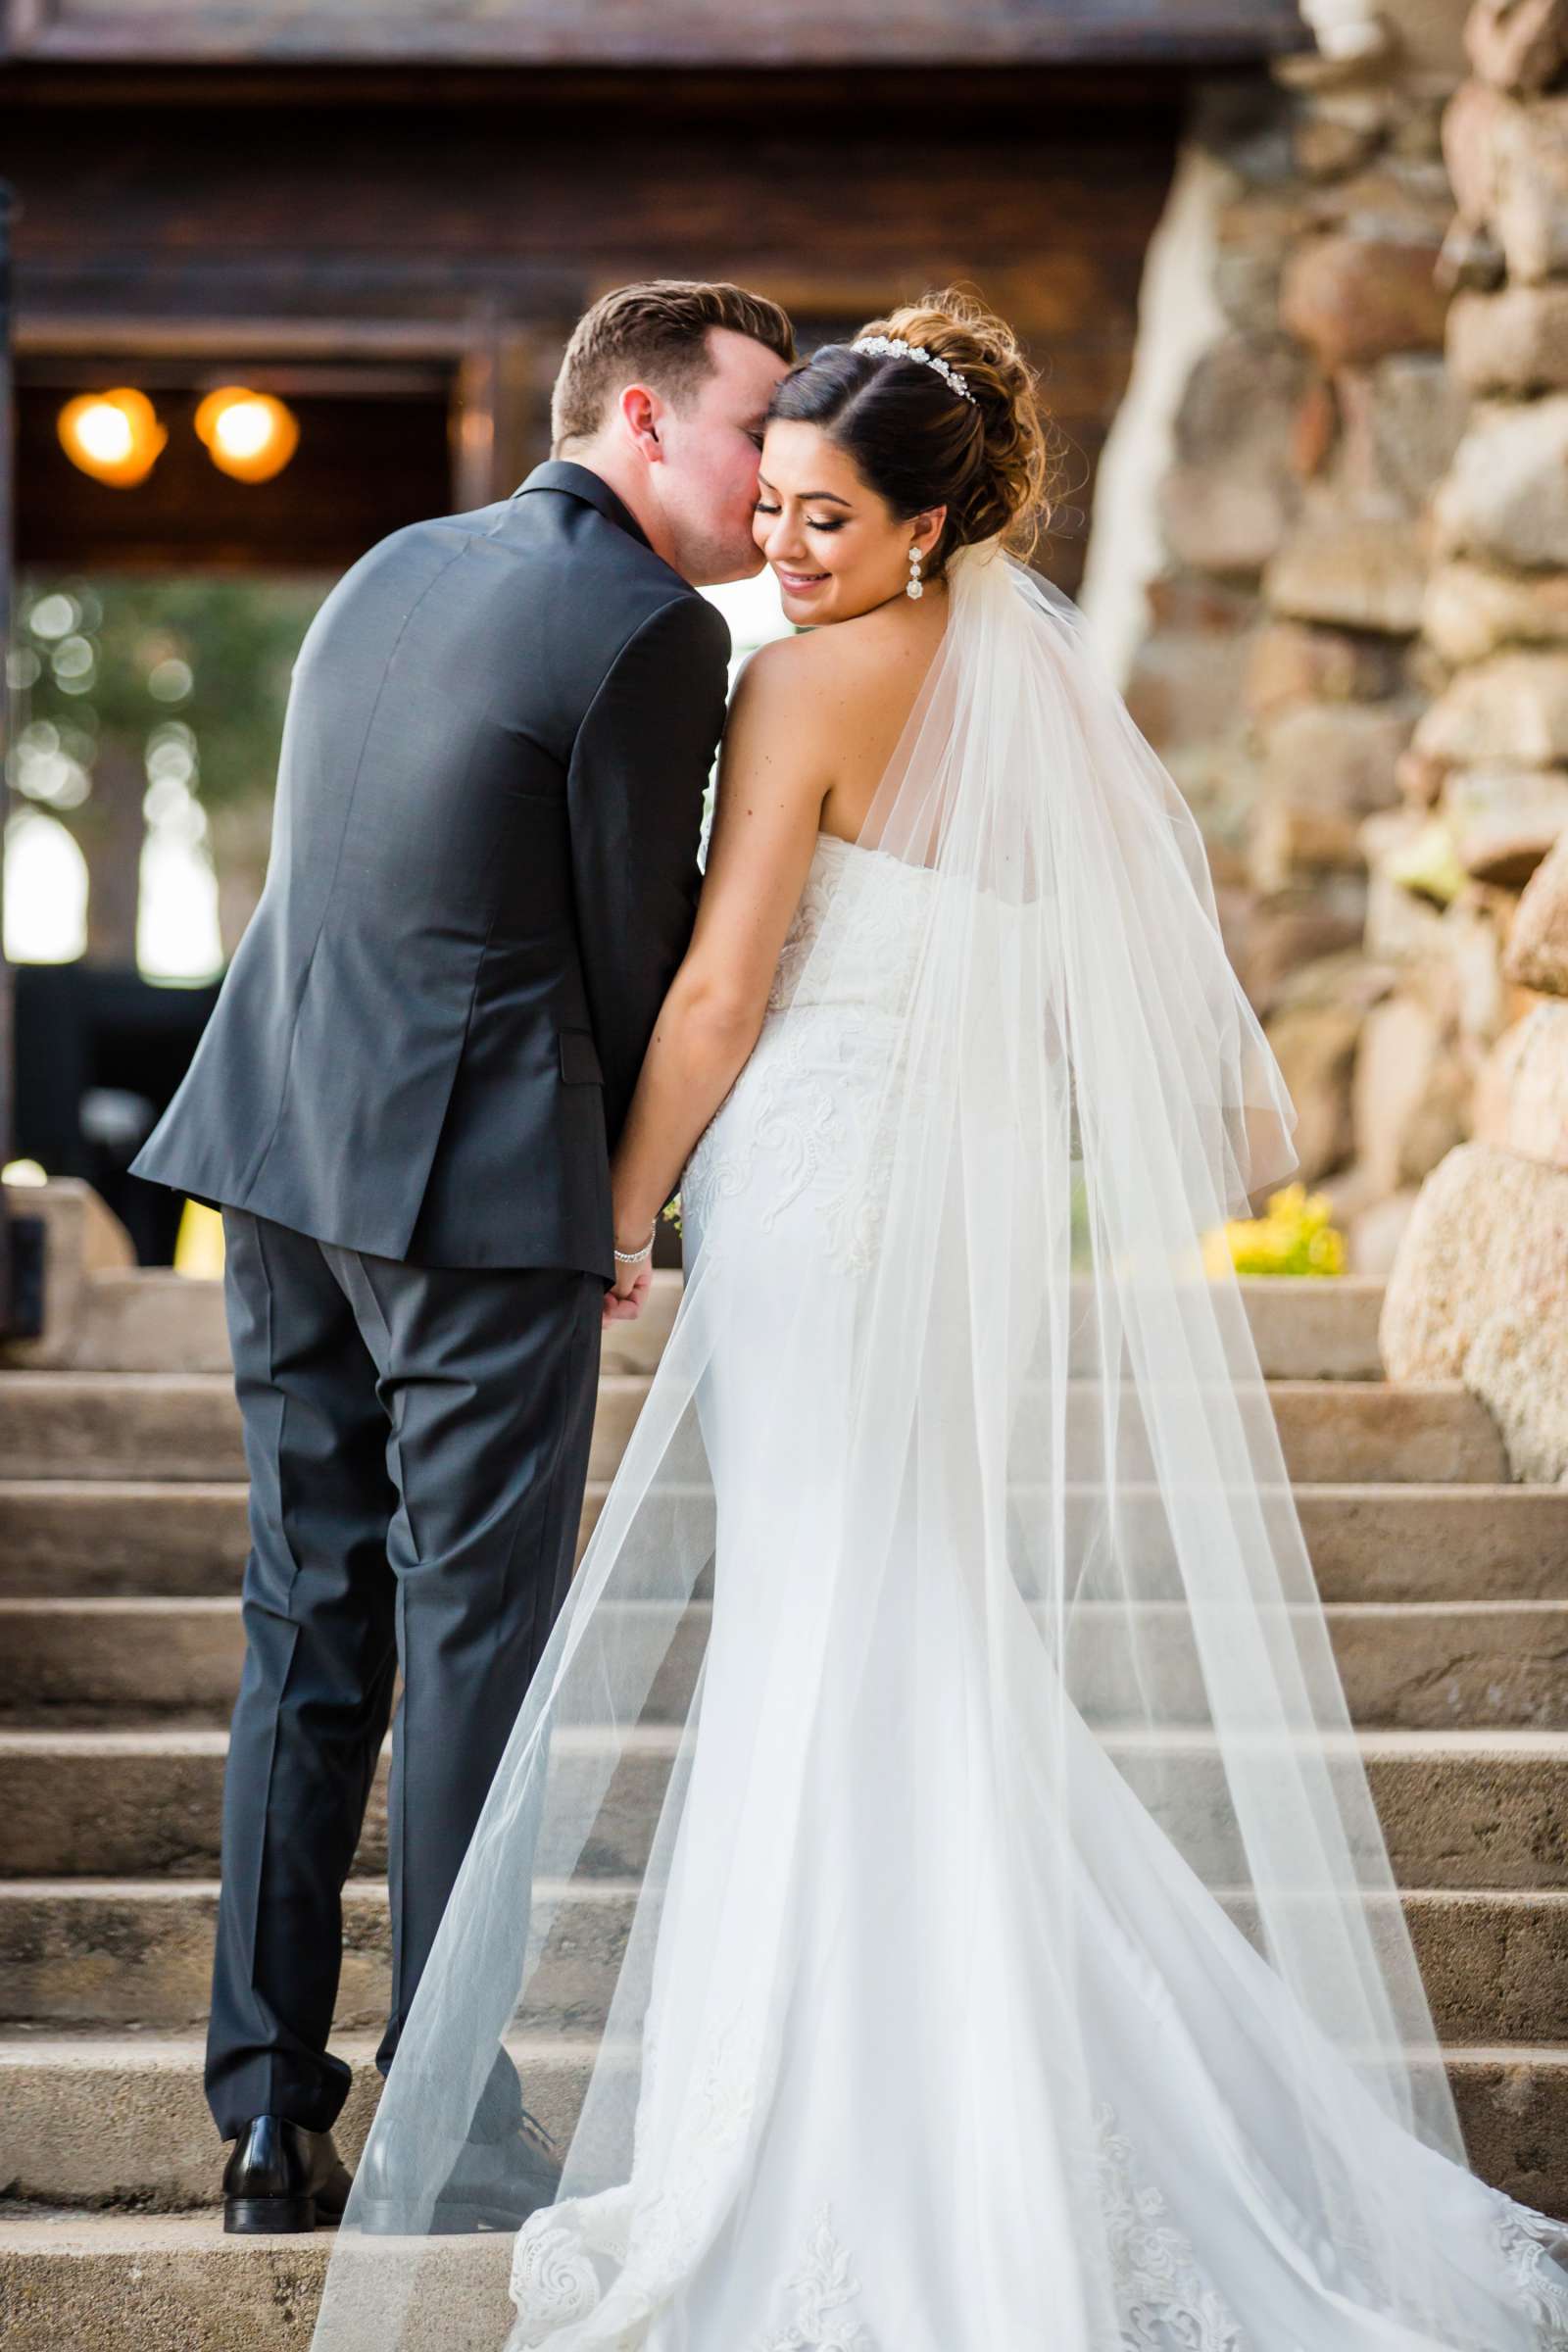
x=482, y=877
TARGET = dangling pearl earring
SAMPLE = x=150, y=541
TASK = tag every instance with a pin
x=914, y=587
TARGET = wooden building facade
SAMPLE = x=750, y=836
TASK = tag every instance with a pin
x=391, y=215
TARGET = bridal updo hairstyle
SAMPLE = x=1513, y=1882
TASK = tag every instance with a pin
x=916, y=441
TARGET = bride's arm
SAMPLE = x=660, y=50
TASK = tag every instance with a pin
x=772, y=780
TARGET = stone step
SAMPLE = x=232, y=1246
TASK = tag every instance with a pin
x=1406, y=1540
x=150, y=1319
x=114, y=2123
x=122, y=1955
x=151, y=2282
x=166, y=1425
x=1426, y=1666
x=1305, y=1327
x=1459, y=1809
x=129, y=1318
x=135, y=1955
x=95, y=2121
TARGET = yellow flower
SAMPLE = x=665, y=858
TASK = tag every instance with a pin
x=1294, y=1237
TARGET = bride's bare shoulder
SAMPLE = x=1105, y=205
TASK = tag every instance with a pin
x=797, y=684
x=817, y=672
x=787, y=663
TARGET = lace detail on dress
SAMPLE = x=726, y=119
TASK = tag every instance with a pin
x=785, y=1111
x=1163, y=2303
x=1534, y=2249
x=671, y=2227
x=552, y=2280
x=817, y=1099
x=819, y=2292
x=655, y=2236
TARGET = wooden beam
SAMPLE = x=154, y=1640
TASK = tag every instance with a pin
x=762, y=35
x=69, y=334
x=687, y=97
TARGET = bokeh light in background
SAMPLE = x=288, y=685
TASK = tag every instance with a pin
x=112, y=437
x=247, y=435
x=145, y=710
x=46, y=891
x=177, y=919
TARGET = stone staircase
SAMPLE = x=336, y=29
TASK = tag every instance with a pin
x=122, y=1539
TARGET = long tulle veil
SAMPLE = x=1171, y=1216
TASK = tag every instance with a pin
x=1011, y=1409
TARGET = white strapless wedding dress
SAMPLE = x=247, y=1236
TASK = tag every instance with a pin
x=889, y=1964
x=934, y=1845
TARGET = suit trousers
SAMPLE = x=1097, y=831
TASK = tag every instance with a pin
x=416, y=1438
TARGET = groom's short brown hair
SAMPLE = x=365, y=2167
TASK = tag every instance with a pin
x=654, y=333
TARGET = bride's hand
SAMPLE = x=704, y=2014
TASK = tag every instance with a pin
x=623, y=1303
x=623, y=1300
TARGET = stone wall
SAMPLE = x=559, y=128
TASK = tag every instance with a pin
x=1479, y=1285
x=1357, y=665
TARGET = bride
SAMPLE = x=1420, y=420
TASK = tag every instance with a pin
x=932, y=1886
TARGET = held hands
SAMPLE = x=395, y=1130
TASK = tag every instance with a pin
x=634, y=1273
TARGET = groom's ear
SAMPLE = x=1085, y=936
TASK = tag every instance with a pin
x=642, y=414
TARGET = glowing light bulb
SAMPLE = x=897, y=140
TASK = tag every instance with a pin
x=245, y=429
x=247, y=435
x=112, y=437
x=106, y=434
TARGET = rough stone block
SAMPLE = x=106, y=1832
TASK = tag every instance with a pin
x=1472, y=611
x=1508, y=164
x=1400, y=422
x=1505, y=496
x=1483, y=1264
x=1292, y=663
x=1351, y=574
x=1409, y=1097
x=1353, y=300
x=1326, y=765
x=1513, y=341
x=1537, y=955
x=1515, y=1366
x=1511, y=708
x=1231, y=495
x=1504, y=819
x=1517, y=44
x=1520, y=1101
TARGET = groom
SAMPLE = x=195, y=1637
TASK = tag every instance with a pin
x=483, y=878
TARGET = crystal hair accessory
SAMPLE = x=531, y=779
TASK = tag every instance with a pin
x=892, y=347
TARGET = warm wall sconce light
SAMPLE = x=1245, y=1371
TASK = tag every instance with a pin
x=114, y=436
x=248, y=434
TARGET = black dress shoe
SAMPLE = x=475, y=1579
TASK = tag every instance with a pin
x=282, y=2177
x=494, y=2184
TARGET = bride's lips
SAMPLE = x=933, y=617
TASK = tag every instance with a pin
x=799, y=583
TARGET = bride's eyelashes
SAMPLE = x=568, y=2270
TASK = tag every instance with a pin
x=837, y=524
